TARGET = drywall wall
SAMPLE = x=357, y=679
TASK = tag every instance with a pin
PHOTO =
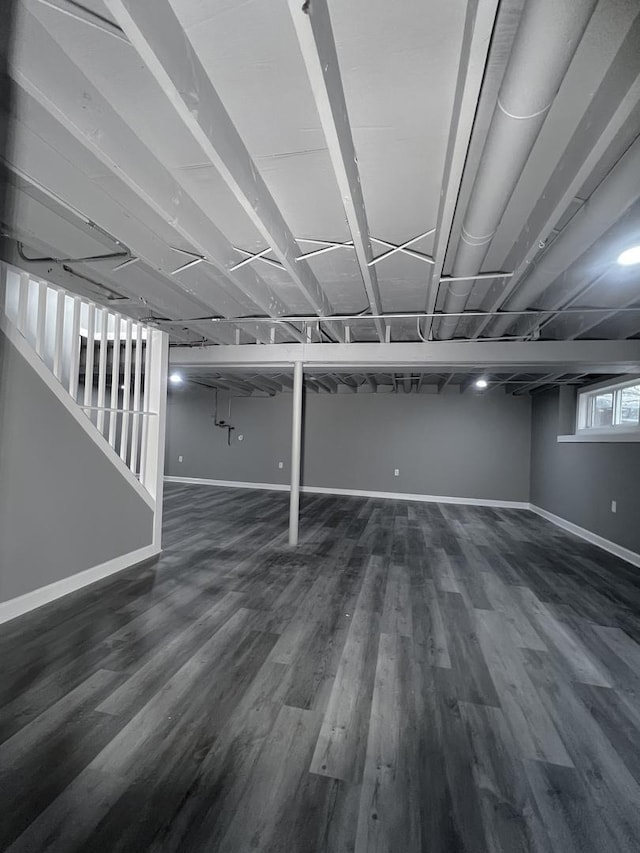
x=64, y=507
x=578, y=481
x=264, y=423
x=452, y=444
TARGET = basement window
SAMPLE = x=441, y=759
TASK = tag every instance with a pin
x=610, y=409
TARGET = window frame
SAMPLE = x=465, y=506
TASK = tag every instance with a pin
x=586, y=397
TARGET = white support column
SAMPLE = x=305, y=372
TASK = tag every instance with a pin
x=296, y=441
x=154, y=447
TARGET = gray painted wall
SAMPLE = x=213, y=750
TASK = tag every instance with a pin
x=458, y=445
x=264, y=423
x=578, y=481
x=63, y=507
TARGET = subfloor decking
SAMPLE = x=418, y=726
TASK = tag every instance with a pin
x=415, y=677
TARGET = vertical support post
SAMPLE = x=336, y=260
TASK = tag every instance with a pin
x=154, y=462
x=296, y=440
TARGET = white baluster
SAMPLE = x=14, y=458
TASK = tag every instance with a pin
x=145, y=406
x=23, y=301
x=135, y=430
x=115, y=380
x=102, y=368
x=126, y=395
x=41, y=318
x=74, y=364
x=58, y=334
x=88, y=364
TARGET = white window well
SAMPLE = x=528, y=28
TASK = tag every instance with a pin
x=609, y=412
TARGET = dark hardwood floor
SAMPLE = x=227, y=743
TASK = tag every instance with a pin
x=414, y=677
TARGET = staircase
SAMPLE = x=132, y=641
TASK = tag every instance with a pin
x=109, y=371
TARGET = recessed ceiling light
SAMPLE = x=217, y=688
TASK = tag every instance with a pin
x=630, y=256
x=481, y=383
x=175, y=378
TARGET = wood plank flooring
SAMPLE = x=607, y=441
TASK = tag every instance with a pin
x=414, y=677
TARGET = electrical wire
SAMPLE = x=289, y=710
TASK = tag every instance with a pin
x=83, y=260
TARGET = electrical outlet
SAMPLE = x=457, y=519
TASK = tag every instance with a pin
x=240, y=438
x=280, y=464
x=614, y=506
x=179, y=458
x=396, y=472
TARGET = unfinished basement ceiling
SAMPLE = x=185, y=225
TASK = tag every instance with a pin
x=274, y=381
x=191, y=175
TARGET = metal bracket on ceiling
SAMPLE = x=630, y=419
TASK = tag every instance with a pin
x=252, y=256
x=332, y=245
x=195, y=259
x=403, y=248
x=125, y=264
x=327, y=246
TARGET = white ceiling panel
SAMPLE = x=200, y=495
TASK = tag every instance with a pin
x=399, y=82
x=251, y=55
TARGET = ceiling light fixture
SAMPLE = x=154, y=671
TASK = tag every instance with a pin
x=630, y=256
x=481, y=383
x=175, y=379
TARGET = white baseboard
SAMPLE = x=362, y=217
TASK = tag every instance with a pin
x=408, y=496
x=361, y=493
x=606, y=544
x=231, y=484
x=45, y=594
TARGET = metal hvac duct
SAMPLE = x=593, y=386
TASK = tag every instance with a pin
x=609, y=201
x=547, y=37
